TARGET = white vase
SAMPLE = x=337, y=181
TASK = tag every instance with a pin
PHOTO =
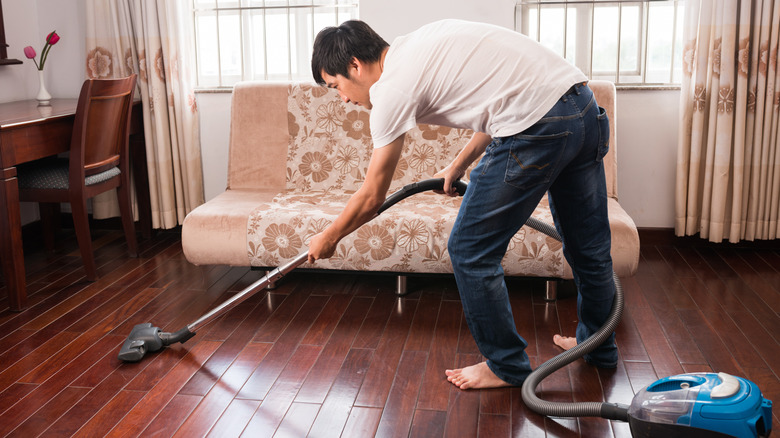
x=44, y=98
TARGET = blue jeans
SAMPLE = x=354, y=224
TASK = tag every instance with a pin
x=561, y=154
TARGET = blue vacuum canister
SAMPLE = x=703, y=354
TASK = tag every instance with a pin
x=700, y=405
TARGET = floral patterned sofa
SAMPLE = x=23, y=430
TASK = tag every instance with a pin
x=297, y=153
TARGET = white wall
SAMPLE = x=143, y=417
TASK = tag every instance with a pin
x=646, y=129
x=27, y=23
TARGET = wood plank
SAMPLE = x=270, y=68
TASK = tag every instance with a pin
x=525, y=423
x=264, y=376
x=494, y=425
x=235, y=418
x=43, y=342
x=558, y=386
x=435, y=391
x=655, y=341
x=15, y=392
x=399, y=410
x=362, y=422
x=736, y=286
x=111, y=414
x=62, y=376
x=12, y=339
x=332, y=359
x=421, y=332
x=280, y=397
x=154, y=401
x=103, y=320
x=657, y=296
x=65, y=300
x=322, y=328
x=51, y=411
x=463, y=409
x=716, y=353
x=298, y=420
x=173, y=415
x=377, y=383
x=586, y=387
x=210, y=373
x=428, y=424
x=375, y=321
x=98, y=398
x=338, y=403
x=222, y=394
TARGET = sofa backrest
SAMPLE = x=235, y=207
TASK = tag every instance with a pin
x=303, y=137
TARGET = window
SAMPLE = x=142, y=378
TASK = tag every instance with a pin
x=261, y=39
x=629, y=42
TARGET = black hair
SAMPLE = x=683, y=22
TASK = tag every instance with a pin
x=335, y=47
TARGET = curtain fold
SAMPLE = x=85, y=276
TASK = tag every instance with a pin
x=151, y=38
x=728, y=166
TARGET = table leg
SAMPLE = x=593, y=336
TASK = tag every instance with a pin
x=141, y=177
x=11, y=241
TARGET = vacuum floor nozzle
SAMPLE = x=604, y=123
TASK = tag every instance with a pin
x=145, y=338
x=142, y=338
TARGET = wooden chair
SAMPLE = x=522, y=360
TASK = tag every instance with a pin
x=98, y=162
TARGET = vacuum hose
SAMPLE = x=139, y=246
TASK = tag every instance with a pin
x=610, y=411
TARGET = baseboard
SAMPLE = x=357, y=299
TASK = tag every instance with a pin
x=666, y=236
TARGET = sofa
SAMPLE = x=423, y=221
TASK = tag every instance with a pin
x=297, y=153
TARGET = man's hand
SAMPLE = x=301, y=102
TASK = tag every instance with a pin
x=363, y=205
x=451, y=173
x=321, y=247
x=457, y=169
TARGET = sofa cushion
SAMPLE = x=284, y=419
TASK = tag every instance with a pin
x=330, y=145
x=410, y=237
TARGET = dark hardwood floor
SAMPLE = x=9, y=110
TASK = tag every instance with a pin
x=340, y=355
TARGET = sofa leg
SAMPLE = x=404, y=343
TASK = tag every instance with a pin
x=551, y=290
x=400, y=286
x=271, y=284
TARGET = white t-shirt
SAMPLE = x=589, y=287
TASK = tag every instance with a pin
x=467, y=75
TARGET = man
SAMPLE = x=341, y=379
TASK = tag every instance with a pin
x=539, y=128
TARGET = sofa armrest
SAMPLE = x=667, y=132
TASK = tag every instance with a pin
x=258, y=136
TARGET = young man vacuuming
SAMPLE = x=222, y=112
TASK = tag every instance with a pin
x=538, y=130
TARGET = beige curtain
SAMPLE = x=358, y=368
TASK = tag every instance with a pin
x=728, y=172
x=151, y=37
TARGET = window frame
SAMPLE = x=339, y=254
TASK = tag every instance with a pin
x=298, y=38
x=584, y=39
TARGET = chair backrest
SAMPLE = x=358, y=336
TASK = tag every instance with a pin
x=102, y=126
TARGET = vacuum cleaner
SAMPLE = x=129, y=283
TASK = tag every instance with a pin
x=687, y=405
x=692, y=405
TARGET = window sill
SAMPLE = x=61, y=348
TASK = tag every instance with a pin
x=213, y=90
x=629, y=87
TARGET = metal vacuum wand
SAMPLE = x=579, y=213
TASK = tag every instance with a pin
x=145, y=338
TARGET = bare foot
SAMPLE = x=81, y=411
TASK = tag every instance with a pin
x=565, y=342
x=477, y=376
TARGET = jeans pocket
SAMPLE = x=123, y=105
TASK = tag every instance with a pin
x=533, y=159
x=603, y=122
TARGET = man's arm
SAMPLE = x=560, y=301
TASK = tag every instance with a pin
x=363, y=205
x=457, y=169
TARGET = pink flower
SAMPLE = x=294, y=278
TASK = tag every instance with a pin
x=52, y=38
x=29, y=52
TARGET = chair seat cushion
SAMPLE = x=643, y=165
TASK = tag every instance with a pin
x=53, y=174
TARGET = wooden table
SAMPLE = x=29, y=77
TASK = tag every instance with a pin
x=29, y=132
